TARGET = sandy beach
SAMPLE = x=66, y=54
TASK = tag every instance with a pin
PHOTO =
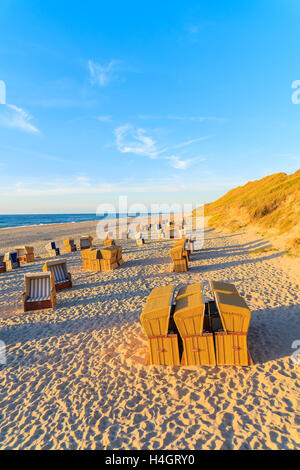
x=76, y=376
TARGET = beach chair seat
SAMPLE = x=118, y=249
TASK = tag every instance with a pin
x=62, y=278
x=231, y=340
x=86, y=241
x=11, y=260
x=25, y=253
x=198, y=345
x=158, y=324
x=51, y=249
x=69, y=245
x=39, y=292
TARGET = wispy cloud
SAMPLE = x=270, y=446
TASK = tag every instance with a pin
x=78, y=185
x=105, y=118
x=100, y=74
x=18, y=118
x=137, y=141
x=180, y=118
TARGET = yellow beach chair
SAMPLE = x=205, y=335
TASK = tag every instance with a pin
x=198, y=345
x=39, y=292
x=62, y=278
x=231, y=339
x=180, y=263
x=86, y=241
x=70, y=245
x=51, y=249
x=109, y=258
x=2, y=264
x=11, y=260
x=160, y=328
x=25, y=253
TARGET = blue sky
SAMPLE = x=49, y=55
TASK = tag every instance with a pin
x=162, y=101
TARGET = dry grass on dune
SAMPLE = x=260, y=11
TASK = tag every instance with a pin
x=270, y=205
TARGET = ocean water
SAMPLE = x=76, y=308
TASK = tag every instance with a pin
x=25, y=220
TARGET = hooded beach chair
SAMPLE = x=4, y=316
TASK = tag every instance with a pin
x=2, y=264
x=51, y=249
x=109, y=258
x=86, y=241
x=70, y=245
x=11, y=260
x=139, y=239
x=91, y=259
x=231, y=330
x=180, y=263
x=198, y=341
x=62, y=279
x=109, y=241
x=159, y=326
x=25, y=253
x=39, y=292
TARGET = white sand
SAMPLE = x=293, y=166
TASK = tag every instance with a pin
x=75, y=377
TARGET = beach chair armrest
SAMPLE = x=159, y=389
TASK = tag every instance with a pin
x=70, y=276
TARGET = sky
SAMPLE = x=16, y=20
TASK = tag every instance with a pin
x=162, y=102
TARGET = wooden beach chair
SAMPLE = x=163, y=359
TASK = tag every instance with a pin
x=91, y=259
x=62, y=278
x=51, y=249
x=120, y=260
x=2, y=264
x=86, y=241
x=109, y=258
x=69, y=245
x=198, y=341
x=109, y=241
x=231, y=330
x=25, y=253
x=180, y=263
x=11, y=260
x=39, y=292
x=158, y=324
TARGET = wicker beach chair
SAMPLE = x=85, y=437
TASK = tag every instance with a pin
x=230, y=329
x=158, y=324
x=109, y=241
x=11, y=260
x=39, y=292
x=69, y=245
x=2, y=264
x=198, y=341
x=180, y=263
x=25, y=253
x=51, y=249
x=109, y=258
x=62, y=278
x=86, y=241
x=91, y=259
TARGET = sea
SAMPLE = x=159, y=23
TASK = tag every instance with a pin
x=27, y=220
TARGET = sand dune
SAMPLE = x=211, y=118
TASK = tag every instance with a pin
x=76, y=376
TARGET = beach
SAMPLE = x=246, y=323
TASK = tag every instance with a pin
x=77, y=376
